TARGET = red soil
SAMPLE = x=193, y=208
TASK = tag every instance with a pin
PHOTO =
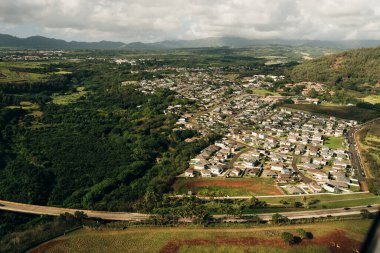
x=248, y=185
x=336, y=242
x=46, y=246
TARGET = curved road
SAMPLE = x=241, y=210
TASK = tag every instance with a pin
x=124, y=216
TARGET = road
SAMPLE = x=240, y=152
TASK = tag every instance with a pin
x=56, y=211
x=305, y=179
x=124, y=216
x=316, y=213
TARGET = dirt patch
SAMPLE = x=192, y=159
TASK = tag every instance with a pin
x=336, y=242
x=46, y=246
x=338, y=62
x=248, y=185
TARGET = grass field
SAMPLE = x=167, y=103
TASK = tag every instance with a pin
x=265, y=238
x=69, y=98
x=262, y=92
x=373, y=99
x=330, y=201
x=344, y=112
x=226, y=187
x=9, y=73
x=335, y=142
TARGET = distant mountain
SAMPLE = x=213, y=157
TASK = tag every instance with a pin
x=39, y=42
x=236, y=42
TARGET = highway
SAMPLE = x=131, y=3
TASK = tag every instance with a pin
x=125, y=216
x=316, y=213
x=56, y=211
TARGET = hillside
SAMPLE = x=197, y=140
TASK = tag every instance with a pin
x=354, y=69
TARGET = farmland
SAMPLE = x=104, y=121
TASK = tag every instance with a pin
x=227, y=187
x=197, y=239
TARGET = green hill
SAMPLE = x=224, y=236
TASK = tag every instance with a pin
x=354, y=69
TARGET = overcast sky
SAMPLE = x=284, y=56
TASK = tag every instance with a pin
x=155, y=20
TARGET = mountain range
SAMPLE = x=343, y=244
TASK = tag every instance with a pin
x=40, y=42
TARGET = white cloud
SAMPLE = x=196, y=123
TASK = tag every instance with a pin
x=144, y=20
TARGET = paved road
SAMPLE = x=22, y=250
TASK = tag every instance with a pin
x=56, y=211
x=317, y=213
x=356, y=160
x=305, y=179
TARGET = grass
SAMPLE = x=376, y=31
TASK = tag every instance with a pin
x=9, y=73
x=226, y=187
x=335, y=142
x=263, y=92
x=69, y=98
x=373, y=99
x=344, y=112
x=330, y=201
x=153, y=239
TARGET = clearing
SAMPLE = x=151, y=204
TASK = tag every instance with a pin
x=243, y=238
x=227, y=187
x=335, y=142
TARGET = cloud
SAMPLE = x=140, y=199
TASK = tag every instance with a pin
x=144, y=20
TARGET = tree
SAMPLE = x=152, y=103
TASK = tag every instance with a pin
x=278, y=218
x=287, y=237
x=302, y=233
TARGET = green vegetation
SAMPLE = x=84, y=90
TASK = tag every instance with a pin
x=335, y=142
x=239, y=239
x=344, y=112
x=369, y=140
x=226, y=187
x=70, y=98
x=373, y=99
x=262, y=92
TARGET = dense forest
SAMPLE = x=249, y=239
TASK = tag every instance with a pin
x=104, y=151
x=354, y=69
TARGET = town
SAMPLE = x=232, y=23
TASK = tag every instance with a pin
x=303, y=153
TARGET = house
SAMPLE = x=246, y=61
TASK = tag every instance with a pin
x=205, y=173
x=329, y=187
x=300, y=149
x=269, y=173
x=235, y=172
x=284, y=178
x=189, y=173
x=315, y=187
x=293, y=190
x=276, y=166
x=216, y=169
x=253, y=172
x=313, y=151
x=318, y=175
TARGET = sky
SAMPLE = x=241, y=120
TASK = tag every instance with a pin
x=157, y=20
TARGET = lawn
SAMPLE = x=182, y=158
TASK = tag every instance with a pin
x=235, y=238
x=344, y=112
x=227, y=187
x=335, y=142
x=262, y=92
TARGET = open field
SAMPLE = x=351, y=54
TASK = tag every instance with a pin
x=16, y=72
x=348, y=234
x=335, y=142
x=226, y=187
x=262, y=92
x=373, y=99
x=69, y=98
x=344, y=112
x=329, y=201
